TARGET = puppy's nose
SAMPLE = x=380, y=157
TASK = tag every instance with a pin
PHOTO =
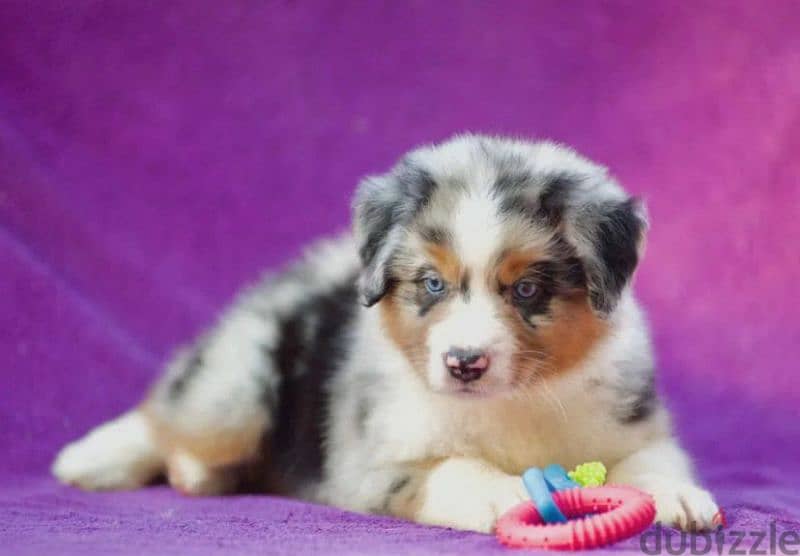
x=466, y=364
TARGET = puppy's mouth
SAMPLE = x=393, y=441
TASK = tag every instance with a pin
x=473, y=390
x=470, y=391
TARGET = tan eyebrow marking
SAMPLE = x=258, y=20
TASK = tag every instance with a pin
x=446, y=261
x=512, y=264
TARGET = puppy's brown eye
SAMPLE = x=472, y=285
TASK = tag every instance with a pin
x=524, y=289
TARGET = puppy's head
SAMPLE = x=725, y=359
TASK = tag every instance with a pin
x=494, y=261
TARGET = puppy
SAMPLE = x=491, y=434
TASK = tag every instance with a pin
x=479, y=321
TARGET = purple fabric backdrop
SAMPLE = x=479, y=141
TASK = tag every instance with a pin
x=154, y=157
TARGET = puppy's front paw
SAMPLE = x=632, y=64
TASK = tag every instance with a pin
x=475, y=506
x=683, y=505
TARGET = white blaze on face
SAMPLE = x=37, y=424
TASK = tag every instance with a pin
x=473, y=321
x=476, y=229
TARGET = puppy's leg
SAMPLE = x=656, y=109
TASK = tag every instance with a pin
x=663, y=469
x=214, y=407
x=464, y=493
x=188, y=474
x=205, y=417
x=120, y=454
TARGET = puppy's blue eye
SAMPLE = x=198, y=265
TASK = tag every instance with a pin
x=434, y=284
x=524, y=289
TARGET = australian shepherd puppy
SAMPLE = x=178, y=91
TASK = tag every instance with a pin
x=479, y=321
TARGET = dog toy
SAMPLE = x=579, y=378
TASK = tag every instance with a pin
x=568, y=516
x=591, y=474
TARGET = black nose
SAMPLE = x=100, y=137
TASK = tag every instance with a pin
x=466, y=364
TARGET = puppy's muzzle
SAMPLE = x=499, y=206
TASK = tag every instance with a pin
x=466, y=365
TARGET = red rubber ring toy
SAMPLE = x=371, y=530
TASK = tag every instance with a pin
x=619, y=512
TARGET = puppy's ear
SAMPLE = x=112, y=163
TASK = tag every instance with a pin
x=382, y=209
x=608, y=236
x=375, y=221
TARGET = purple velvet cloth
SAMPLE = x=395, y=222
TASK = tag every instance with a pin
x=154, y=157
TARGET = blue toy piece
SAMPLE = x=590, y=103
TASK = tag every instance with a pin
x=557, y=478
x=540, y=484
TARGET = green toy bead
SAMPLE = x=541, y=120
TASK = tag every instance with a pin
x=590, y=474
